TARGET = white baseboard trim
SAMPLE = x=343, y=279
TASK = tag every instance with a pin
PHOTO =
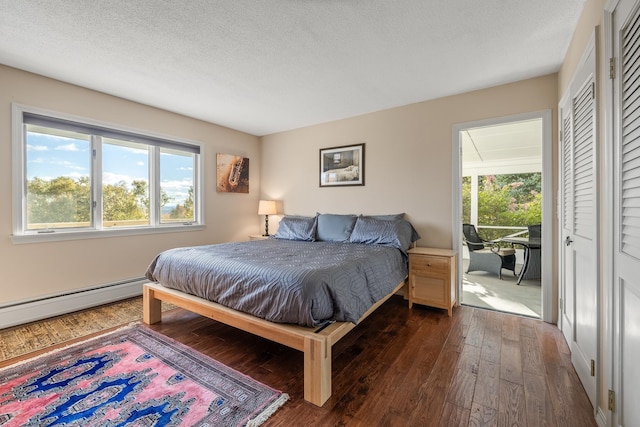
x=55, y=305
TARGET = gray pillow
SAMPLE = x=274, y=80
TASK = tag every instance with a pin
x=390, y=217
x=335, y=228
x=297, y=228
x=396, y=233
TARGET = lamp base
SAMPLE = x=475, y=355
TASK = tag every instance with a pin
x=266, y=226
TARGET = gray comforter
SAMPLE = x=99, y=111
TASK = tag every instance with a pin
x=285, y=281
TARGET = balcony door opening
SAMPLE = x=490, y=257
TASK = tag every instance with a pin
x=501, y=213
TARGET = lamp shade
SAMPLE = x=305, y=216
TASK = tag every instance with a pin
x=267, y=207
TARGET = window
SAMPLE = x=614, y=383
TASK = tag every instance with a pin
x=75, y=178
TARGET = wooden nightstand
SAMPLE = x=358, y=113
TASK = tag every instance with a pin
x=257, y=237
x=432, y=277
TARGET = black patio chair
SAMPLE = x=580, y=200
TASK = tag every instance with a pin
x=535, y=231
x=485, y=255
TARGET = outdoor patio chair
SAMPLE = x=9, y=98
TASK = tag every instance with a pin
x=486, y=255
x=535, y=231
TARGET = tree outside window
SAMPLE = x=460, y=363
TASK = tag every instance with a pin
x=504, y=200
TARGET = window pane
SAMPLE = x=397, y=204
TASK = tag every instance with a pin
x=58, y=166
x=125, y=183
x=176, y=186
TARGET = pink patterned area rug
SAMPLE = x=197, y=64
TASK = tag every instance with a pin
x=132, y=376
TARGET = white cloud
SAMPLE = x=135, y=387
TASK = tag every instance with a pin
x=56, y=162
x=111, y=178
x=176, y=185
x=72, y=166
x=37, y=147
x=178, y=191
x=68, y=147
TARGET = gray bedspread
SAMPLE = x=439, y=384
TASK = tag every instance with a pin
x=285, y=281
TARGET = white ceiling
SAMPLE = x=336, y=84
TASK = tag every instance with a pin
x=514, y=147
x=269, y=66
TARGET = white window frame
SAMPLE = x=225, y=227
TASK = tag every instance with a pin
x=18, y=174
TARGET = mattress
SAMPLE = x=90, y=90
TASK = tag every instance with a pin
x=285, y=281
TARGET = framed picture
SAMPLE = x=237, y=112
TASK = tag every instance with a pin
x=342, y=166
x=232, y=174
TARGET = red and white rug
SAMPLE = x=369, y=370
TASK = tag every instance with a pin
x=132, y=376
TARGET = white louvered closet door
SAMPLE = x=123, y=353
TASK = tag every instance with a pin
x=579, y=280
x=626, y=283
x=567, y=298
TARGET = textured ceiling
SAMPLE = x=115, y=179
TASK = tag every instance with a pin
x=269, y=66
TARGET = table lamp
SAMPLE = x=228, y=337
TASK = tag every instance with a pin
x=266, y=208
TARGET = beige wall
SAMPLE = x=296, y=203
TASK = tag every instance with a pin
x=408, y=159
x=591, y=17
x=34, y=270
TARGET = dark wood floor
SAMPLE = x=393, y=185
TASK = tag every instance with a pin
x=417, y=367
x=399, y=367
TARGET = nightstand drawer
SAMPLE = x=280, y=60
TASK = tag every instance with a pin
x=430, y=265
x=432, y=278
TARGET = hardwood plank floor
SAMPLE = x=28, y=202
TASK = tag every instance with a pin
x=23, y=339
x=400, y=367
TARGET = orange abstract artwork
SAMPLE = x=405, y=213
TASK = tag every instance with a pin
x=232, y=174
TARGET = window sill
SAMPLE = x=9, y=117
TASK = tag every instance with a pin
x=58, y=236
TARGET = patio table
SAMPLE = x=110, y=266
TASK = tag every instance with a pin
x=532, y=267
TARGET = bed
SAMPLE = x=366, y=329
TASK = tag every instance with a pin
x=306, y=288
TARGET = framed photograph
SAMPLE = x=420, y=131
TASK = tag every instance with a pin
x=232, y=174
x=342, y=166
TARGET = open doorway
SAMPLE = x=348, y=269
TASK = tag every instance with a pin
x=503, y=195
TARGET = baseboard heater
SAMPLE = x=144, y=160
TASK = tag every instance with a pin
x=54, y=305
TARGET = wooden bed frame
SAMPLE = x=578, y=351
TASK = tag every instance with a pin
x=313, y=342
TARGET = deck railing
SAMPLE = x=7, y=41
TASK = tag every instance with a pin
x=495, y=232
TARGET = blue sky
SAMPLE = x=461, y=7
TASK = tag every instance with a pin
x=50, y=156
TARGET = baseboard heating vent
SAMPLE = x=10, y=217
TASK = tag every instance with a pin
x=18, y=313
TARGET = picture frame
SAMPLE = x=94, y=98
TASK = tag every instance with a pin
x=232, y=173
x=342, y=166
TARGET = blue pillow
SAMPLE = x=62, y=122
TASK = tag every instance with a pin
x=335, y=228
x=297, y=228
x=391, y=217
x=397, y=233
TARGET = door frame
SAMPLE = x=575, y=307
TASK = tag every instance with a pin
x=606, y=341
x=549, y=287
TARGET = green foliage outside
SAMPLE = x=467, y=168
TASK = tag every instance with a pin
x=504, y=200
x=185, y=210
x=60, y=200
x=65, y=201
x=121, y=204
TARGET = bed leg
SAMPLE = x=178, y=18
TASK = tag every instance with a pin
x=317, y=370
x=151, y=307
